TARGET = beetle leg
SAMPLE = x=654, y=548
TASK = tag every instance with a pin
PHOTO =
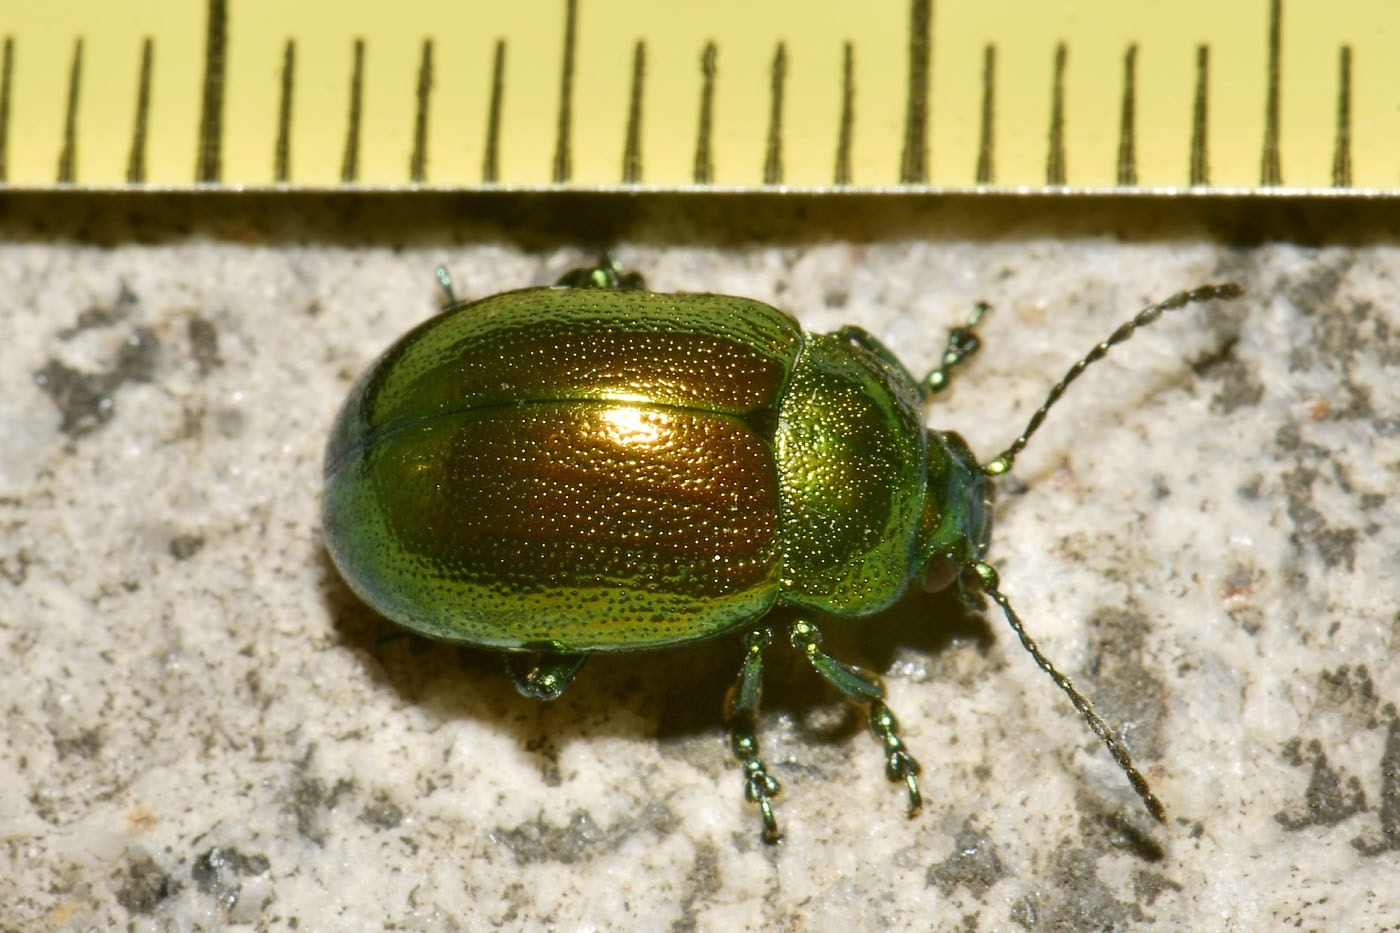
x=740, y=714
x=542, y=675
x=606, y=274
x=860, y=337
x=445, y=280
x=962, y=343
x=866, y=689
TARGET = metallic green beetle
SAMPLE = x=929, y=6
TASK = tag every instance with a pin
x=557, y=472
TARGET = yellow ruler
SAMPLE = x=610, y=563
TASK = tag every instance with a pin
x=1199, y=95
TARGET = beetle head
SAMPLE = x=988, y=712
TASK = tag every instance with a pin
x=956, y=523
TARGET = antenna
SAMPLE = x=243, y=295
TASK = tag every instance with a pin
x=1004, y=460
x=987, y=575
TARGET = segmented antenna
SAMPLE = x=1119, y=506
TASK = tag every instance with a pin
x=987, y=576
x=1004, y=461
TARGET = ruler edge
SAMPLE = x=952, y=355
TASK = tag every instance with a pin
x=1048, y=192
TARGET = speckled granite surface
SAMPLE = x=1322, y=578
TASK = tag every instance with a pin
x=205, y=730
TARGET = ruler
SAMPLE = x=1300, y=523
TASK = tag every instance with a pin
x=1191, y=96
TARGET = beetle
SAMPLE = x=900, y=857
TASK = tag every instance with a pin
x=562, y=471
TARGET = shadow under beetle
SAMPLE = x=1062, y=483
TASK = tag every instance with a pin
x=556, y=472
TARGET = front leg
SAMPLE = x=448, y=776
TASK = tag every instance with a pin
x=962, y=343
x=864, y=689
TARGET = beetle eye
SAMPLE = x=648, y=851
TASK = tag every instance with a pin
x=939, y=574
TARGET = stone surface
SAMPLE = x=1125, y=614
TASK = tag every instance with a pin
x=205, y=729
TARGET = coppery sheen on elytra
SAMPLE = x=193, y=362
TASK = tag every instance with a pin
x=579, y=469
